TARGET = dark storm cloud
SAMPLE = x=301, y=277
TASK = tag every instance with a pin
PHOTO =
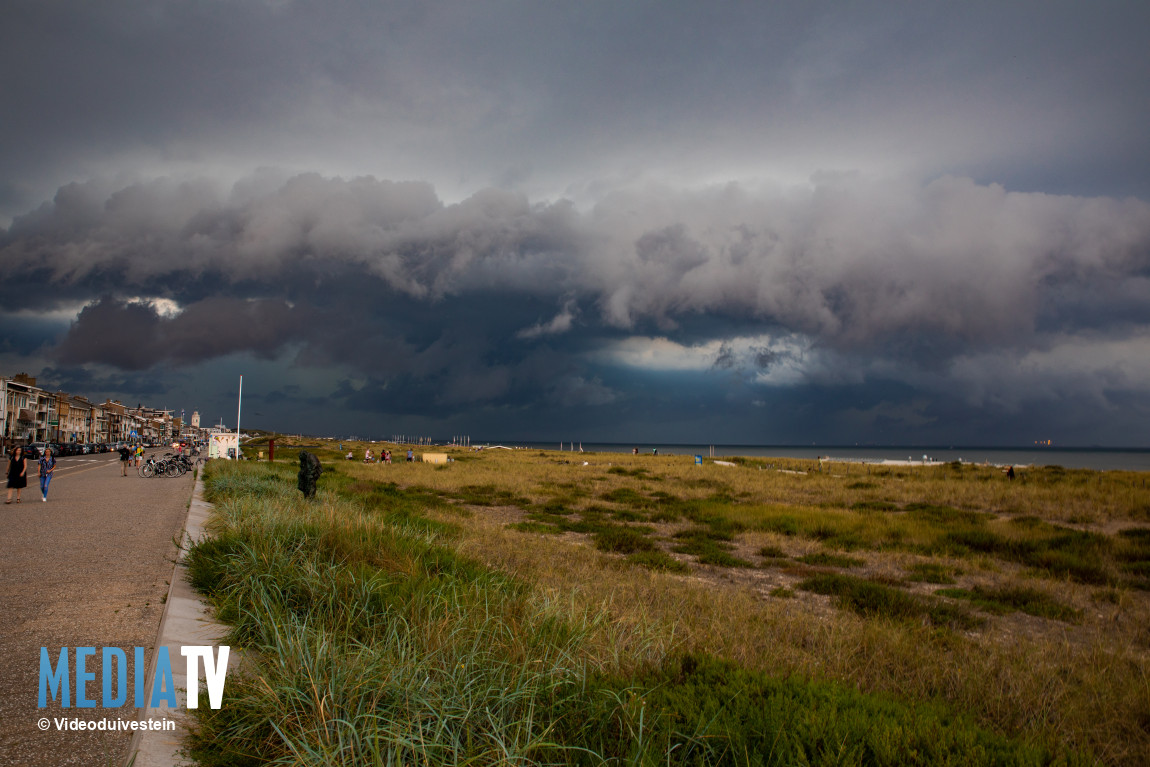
x=557, y=97
x=97, y=386
x=900, y=202
x=134, y=336
x=384, y=278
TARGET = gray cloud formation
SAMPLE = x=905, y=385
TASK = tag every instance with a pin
x=937, y=204
x=134, y=336
x=917, y=275
x=559, y=99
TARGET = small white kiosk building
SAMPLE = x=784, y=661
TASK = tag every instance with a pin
x=223, y=445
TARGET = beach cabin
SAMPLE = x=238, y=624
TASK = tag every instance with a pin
x=223, y=445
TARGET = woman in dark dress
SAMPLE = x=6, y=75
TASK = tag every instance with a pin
x=17, y=474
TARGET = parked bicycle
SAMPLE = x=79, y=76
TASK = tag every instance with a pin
x=168, y=465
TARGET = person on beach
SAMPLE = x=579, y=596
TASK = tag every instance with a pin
x=125, y=459
x=387, y=457
x=410, y=456
x=47, y=466
x=17, y=473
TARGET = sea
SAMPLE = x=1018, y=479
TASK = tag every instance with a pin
x=1101, y=459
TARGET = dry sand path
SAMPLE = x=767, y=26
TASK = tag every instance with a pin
x=89, y=568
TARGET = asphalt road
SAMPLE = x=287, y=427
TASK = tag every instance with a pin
x=88, y=568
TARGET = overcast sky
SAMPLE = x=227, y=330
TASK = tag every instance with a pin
x=797, y=222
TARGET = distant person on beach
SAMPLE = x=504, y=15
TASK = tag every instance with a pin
x=125, y=459
x=634, y=451
x=350, y=456
x=367, y=456
x=410, y=456
x=17, y=473
x=387, y=457
x=47, y=466
x=1010, y=472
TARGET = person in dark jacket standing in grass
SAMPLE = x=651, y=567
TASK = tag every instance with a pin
x=47, y=466
x=309, y=471
x=17, y=473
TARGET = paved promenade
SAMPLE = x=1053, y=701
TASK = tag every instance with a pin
x=89, y=568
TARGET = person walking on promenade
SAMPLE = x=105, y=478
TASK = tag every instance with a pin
x=47, y=466
x=125, y=459
x=17, y=473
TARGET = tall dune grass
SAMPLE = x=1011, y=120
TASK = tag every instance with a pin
x=370, y=639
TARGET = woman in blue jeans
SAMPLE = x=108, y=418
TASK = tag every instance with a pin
x=47, y=466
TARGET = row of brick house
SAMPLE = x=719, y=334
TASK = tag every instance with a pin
x=33, y=414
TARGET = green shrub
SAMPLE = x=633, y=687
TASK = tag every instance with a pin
x=786, y=525
x=625, y=496
x=1005, y=599
x=623, y=540
x=697, y=710
x=772, y=552
x=710, y=551
x=932, y=572
x=658, y=560
x=874, y=505
x=535, y=527
x=825, y=559
x=878, y=600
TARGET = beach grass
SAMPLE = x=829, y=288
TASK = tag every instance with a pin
x=943, y=588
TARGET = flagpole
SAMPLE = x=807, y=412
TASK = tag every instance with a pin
x=239, y=409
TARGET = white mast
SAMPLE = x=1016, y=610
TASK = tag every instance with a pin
x=239, y=409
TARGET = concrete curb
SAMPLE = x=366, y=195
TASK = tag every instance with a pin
x=186, y=621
